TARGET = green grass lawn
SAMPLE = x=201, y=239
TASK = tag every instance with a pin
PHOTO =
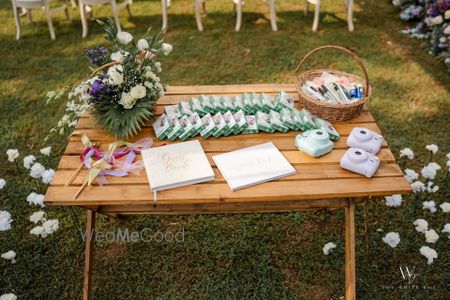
x=260, y=256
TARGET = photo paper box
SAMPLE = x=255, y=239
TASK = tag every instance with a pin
x=227, y=103
x=217, y=104
x=172, y=110
x=176, y=128
x=325, y=125
x=210, y=128
x=231, y=123
x=263, y=122
x=196, y=121
x=248, y=104
x=162, y=127
x=221, y=126
x=276, y=122
x=196, y=106
x=188, y=129
x=257, y=104
x=286, y=118
x=252, y=126
x=298, y=120
x=206, y=104
x=185, y=108
x=238, y=102
x=308, y=120
x=284, y=101
x=268, y=102
x=241, y=122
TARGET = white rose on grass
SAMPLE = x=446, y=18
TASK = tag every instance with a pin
x=9, y=296
x=428, y=172
x=394, y=200
x=430, y=205
x=431, y=236
x=429, y=253
x=124, y=37
x=38, y=217
x=447, y=229
x=392, y=239
x=418, y=186
x=448, y=155
x=12, y=154
x=434, y=165
x=411, y=175
x=407, y=152
x=432, y=188
x=328, y=247
x=47, y=176
x=10, y=255
x=50, y=226
x=28, y=161
x=38, y=231
x=138, y=91
x=166, y=48
x=46, y=151
x=142, y=44
x=445, y=207
x=36, y=199
x=115, y=76
x=127, y=101
x=421, y=225
x=37, y=170
x=2, y=183
x=5, y=220
x=432, y=148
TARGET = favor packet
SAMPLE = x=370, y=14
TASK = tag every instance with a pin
x=196, y=106
x=263, y=121
x=308, y=120
x=288, y=121
x=196, y=121
x=252, y=126
x=325, y=125
x=237, y=102
x=172, y=110
x=221, y=126
x=275, y=121
x=257, y=104
x=284, y=101
x=206, y=104
x=298, y=120
x=227, y=103
x=176, y=128
x=185, y=108
x=188, y=129
x=210, y=128
x=231, y=123
x=268, y=102
x=217, y=104
x=162, y=127
x=248, y=104
x=241, y=122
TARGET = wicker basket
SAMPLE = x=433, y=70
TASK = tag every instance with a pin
x=329, y=111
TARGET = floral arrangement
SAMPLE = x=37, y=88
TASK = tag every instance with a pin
x=124, y=86
x=431, y=21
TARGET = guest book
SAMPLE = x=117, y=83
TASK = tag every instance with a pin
x=176, y=165
x=253, y=165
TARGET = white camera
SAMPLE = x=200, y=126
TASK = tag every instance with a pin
x=360, y=161
x=365, y=139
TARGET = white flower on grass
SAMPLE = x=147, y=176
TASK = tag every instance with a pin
x=9, y=296
x=431, y=188
x=28, y=161
x=432, y=148
x=447, y=229
x=47, y=228
x=142, y=44
x=12, y=154
x=46, y=151
x=38, y=217
x=10, y=255
x=394, y=200
x=327, y=247
x=428, y=172
x=2, y=183
x=421, y=225
x=37, y=170
x=124, y=37
x=127, y=101
x=47, y=176
x=407, y=152
x=411, y=175
x=418, y=186
x=36, y=199
x=430, y=205
x=392, y=239
x=431, y=236
x=448, y=155
x=115, y=75
x=445, y=207
x=429, y=253
x=379, y=230
x=166, y=48
x=5, y=220
x=434, y=165
x=138, y=91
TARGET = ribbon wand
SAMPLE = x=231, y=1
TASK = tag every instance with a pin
x=94, y=171
x=89, y=149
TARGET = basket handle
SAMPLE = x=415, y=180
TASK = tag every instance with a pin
x=345, y=50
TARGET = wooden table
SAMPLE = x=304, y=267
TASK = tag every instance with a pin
x=318, y=184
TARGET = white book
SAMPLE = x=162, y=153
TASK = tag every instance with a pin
x=176, y=165
x=253, y=165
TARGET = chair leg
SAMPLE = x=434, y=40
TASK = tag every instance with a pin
x=198, y=17
x=84, y=24
x=74, y=3
x=30, y=17
x=16, y=20
x=316, y=16
x=164, y=14
x=238, y=15
x=129, y=8
x=306, y=8
x=204, y=7
x=350, y=15
x=66, y=10
x=115, y=15
x=273, y=15
x=49, y=20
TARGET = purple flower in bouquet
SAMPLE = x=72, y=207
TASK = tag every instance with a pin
x=96, y=56
x=99, y=89
x=438, y=8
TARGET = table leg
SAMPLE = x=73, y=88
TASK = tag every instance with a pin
x=90, y=227
x=350, y=265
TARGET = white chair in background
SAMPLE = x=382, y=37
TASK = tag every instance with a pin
x=316, y=3
x=27, y=5
x=273, y=15
x=115, y=11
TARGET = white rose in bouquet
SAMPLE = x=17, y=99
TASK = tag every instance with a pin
x=142, y=44
x=166, y=48
x=138, y=91
x=124, y=37
x=127, y=101
x=115, y=75
x=119, y=56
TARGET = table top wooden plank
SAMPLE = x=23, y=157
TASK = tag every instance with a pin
x=320, y=178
